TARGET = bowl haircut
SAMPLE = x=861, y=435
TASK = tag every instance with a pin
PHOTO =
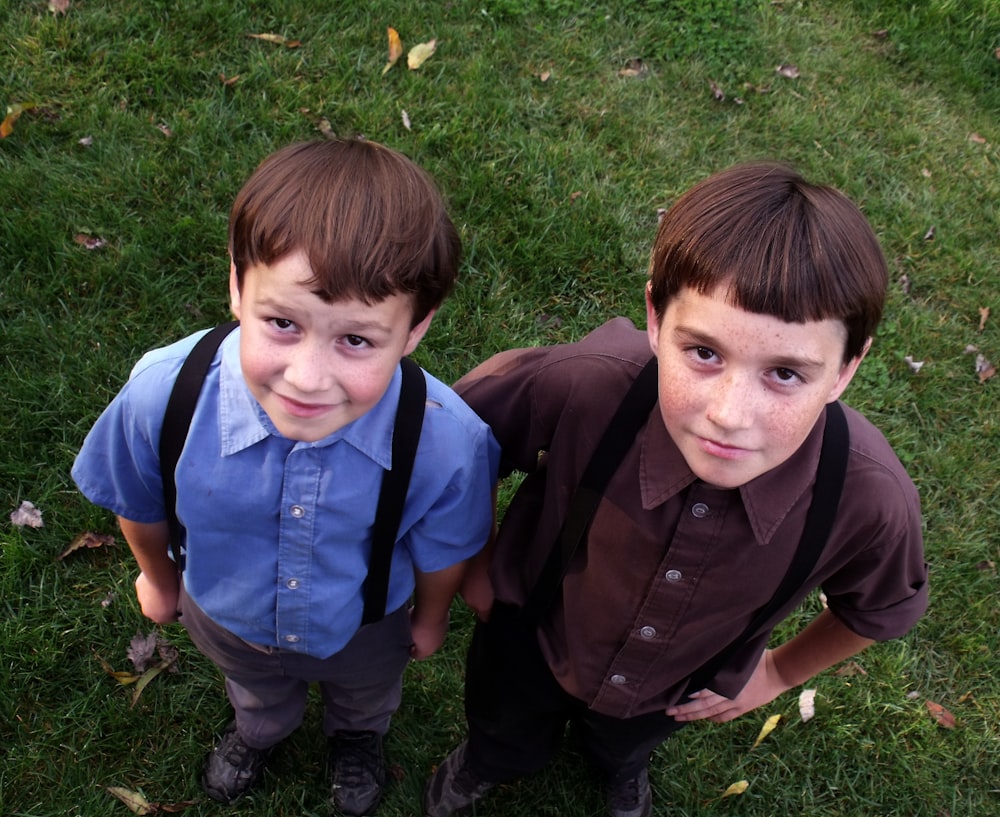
x=779, y=244
x=370, y=221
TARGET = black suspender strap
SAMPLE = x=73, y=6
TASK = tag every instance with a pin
x=618, y=436
x=177, y=421
x=395, y=482
x=826, y=497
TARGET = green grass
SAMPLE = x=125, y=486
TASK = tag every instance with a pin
x=555, y=185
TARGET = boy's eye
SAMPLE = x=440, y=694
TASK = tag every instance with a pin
x=282, y=323
x=355, y=341
x=786, y=375
x=704, y=353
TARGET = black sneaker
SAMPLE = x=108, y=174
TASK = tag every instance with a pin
x=357, y=769
x=232, y=767
x=631, y=798
x=454, y=786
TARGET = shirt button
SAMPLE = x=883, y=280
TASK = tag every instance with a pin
x=648, y=632
x=292, y=639
x=674, y=575
x=292, y=584
x=618, y=679
x=700, y=510
x=297, y=511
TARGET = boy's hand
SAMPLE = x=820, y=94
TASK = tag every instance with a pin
x=427, y=637
x=477, y=592
x=157, y=603
x=763, y=687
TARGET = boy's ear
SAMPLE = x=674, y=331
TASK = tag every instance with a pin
x=417, y=333
x=234, y=290
x=652, y=320
x=847, y=372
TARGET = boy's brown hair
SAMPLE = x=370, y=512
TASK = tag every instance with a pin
x=371, y=222
x=783, y=247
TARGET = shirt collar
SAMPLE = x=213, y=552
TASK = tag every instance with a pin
x=767, y=499
x=243, y=422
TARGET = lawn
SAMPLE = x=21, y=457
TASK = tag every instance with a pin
x=556, y=131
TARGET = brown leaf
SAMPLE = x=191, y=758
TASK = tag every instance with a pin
x=229, y=82
x=850, y=668
x=277, y=39
x=141, y=650
x=929, y=235
x=87, y=539
x=975, y=137
x=395, y=49
x=326, y=128
x=634, y=68
x=881, y=34
x=984, y=314
x=986, y=565
x=545, y=76
x=984, y=368
x=59, y=6
x=162, y=128
x=27, y=516
x=89, y=241
x=788, y=70
x=717, y=91
x=943, y=717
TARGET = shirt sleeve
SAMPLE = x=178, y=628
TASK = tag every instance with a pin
x=118, y=466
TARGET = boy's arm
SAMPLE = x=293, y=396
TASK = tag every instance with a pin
x=823, y=643
x=432, y=600
x=476, y=589
x=158, y=584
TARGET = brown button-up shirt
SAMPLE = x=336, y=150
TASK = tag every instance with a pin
x=673, y=569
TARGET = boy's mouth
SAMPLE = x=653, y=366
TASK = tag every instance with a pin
x=296, y=408
x=721, y=450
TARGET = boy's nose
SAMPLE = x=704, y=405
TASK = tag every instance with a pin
x=310, y=369
x=731, y=403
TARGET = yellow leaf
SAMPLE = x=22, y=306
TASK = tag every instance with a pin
x=148, y=676
x=277, y=39
x=420, y=53
x=737, y=788
x=395, y=49
x=123, y=678
x=13, y=114
x=766, y=730
x=135, y=801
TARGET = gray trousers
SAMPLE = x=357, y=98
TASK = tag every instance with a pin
x=361, y=685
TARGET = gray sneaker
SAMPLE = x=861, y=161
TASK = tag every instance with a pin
x=232, y=767
x=630, y=798
x=357, y=769
x=454, y=787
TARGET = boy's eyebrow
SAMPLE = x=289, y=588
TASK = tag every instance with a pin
x=797, y=362
x=349, y=326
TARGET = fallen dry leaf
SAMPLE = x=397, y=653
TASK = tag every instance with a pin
x=277, y=39
x=143, y=682
x=766, y=729
x=406, y=120
x=162, y=128
x=975, y=137
x=86, y=141
x=87, y=539
x=984, y=315
x=59, y=6
x=420, y=53
x=787, y=70
x=544, y=76
x=929, y=235
x=27, y=516
x=915, y=365
x=738, y=787
x=807, y=704
x=13, y=114
x=122, y=677
x=905, y=283
x=942, y=716
x=133, y=799
x=717, y=91
x=229, y=82
x=984, y=368
x=90, y=242
x=986, y=565
x=634, y=68
x=326, y=128
x=395, y=49
x=849, y=669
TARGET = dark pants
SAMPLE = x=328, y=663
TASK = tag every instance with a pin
x=361, y=685
x=518, y=713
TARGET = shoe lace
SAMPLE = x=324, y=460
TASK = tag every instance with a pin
x=357, y=759
x=626, y=794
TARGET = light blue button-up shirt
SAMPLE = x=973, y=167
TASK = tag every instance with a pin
x=279, y=531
